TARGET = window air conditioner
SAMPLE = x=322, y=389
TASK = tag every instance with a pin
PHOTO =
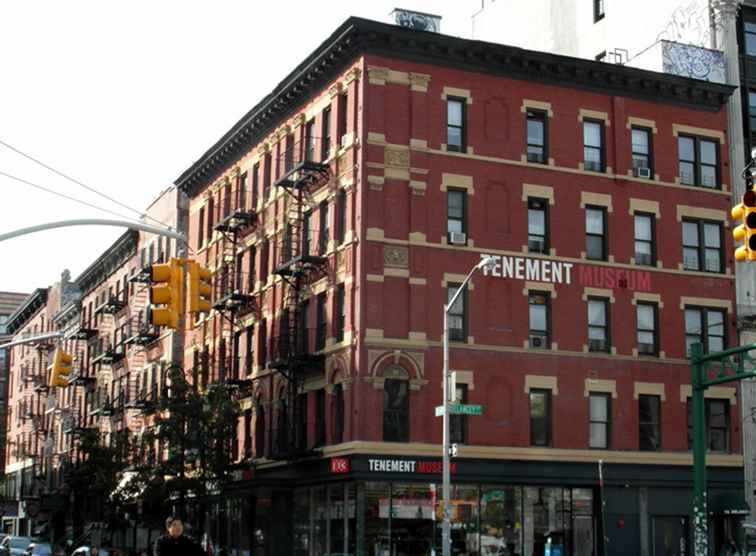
x=646, y=349
x=538, y=341
x=597, y=345
x=457, y=238
x=640, y=172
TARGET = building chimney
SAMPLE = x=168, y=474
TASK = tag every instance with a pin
x=417, y=20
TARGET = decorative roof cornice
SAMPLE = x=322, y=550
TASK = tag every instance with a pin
x=362, y=36
x=36, y=300
x=106, y=264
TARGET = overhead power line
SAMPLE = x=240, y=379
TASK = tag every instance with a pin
x=64, y=196
x=79, y=183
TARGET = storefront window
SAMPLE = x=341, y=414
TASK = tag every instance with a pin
x=263, y=505
x=377, y=504
x=302, y=522
x=501, y=520
x=463, y=500
x=582, y=522
x=412, y=519
x=547, y=524
x=336, y=513
x=320, y=523
x=351, y=518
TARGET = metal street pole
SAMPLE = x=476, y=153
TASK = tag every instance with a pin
x=700, y=509
x=485, y=262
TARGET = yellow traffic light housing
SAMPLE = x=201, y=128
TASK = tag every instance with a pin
x=745, y=232
x=60, y=369
x=199, y=287
x=166, y=294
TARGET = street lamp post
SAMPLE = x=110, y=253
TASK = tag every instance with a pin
x=485, y=262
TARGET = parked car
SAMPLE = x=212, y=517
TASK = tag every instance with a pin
x=14, y=546
x=39, y=549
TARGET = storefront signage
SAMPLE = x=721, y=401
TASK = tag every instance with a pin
x=560, y=272
x=407, y=466
x=339, y=465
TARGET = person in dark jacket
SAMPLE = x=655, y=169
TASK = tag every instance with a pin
x=174, y=543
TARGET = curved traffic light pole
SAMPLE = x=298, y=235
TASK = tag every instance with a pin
x=32, y=339
x=95, y=222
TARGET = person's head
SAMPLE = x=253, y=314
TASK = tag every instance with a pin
x=174, y=526
x=94, y=551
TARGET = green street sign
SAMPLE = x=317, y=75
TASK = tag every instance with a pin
x=460, y=409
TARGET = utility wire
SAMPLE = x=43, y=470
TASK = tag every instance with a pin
x=74, y=199
x=77, y=182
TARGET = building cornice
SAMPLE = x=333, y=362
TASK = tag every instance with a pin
x=361, y=36
x=36, y=300
x=114, y=257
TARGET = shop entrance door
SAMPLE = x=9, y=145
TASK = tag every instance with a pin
x=670, y=535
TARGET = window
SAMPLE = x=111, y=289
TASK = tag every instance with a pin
x=341, y=223
x=324, y=234
x=540, y=417
x=698, y=161
x=307, y=233
x=268, y=162
x=210, y=217
x=320, y=423
x=310, y=140
x=598, y=10
x=644, y=239
x=242, y=201
x=456, y=221
x=702, y=246
x=649, y=422
x=255, y=184
x=264, y=253
x=396, y=410
x=593, y=146
x=599, y=420
x=325, y=147
x=340, y=313
x=341, y=128
x=251, y=256
x=595, y=233
x=536, y=135
x=538, y=239
x=716, y=422
x=539, y=320
x=263, y=333
x=598, y=325
x=320, y=332
x=338, y=414
x=200, y=231
x=289, y=153
x=249, y=355
x=247, y=433
x=646, y=329
x=750, y=38
x=239, y=274
x=455, y=124
x=458, y=423
x=752, y=114
x=641, y=151
x=706, y=327
x=457, y=317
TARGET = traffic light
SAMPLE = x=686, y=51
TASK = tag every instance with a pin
x=167, y=291
x=199, y=287
x=746, y=231
x=60, y=369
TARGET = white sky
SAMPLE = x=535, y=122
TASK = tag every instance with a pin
x=123, y=96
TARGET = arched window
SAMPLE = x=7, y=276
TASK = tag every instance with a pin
x=396, y=405
x=282, y=424
x=259, y=430
x=247, y=433
x=338, y=414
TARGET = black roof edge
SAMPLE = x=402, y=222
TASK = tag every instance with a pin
x=94, y=273
x=359, y=36
x=33, y=303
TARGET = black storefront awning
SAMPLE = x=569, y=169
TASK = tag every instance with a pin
x=729, y=503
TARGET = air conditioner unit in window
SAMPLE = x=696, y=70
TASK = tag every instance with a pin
x=597, y=345
x=538, y=341
x=640, y=172
x=646, y=349
x=458, y=238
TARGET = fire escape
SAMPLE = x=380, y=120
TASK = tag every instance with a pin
x=301, y=262
x=232, y=287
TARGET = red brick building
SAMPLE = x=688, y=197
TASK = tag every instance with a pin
x=341, y=212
